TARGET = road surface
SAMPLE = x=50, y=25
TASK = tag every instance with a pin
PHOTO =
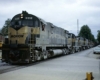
x=69, y=67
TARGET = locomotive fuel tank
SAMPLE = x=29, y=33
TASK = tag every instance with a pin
x=56, y=52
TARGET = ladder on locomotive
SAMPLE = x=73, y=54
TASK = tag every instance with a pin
x=31, y=41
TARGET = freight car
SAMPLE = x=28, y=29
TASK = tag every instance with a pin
x=30, y=38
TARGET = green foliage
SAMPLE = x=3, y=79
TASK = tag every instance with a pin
x=4, y=29
x=86, y=33
x=98, y=37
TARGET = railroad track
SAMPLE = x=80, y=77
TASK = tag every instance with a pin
x=4, y=67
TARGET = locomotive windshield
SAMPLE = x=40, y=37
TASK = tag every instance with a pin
x=19, y=21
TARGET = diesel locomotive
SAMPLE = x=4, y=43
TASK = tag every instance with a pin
x=30, y=39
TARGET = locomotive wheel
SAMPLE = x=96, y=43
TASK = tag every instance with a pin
x=68, y=52
x=39, y=56
x=45, y=54
x=73, y=51
x=48, y=55
x=65, y=52
x=36, y=57
x=78, y=50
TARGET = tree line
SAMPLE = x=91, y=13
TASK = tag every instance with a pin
x=85, y=32
x=4, y=29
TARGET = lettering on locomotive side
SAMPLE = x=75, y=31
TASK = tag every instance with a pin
x=13, y=36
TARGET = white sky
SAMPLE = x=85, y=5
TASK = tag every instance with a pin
x=62, y=13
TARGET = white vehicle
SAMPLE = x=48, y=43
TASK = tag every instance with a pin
x=96, y=49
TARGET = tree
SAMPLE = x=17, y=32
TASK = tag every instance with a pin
x=4, y=29
x=85, y=32
x=92, y=38
x=98, y=37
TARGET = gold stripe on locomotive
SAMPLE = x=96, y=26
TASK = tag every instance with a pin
x=22, y=33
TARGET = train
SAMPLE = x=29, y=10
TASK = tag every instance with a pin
x=31, y=39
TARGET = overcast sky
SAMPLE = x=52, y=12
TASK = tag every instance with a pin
x=62, y=13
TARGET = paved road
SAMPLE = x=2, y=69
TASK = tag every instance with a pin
x=70, y=67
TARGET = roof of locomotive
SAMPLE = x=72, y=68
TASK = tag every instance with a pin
x=71, y=34
x=26, y=14
x=53, y=26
